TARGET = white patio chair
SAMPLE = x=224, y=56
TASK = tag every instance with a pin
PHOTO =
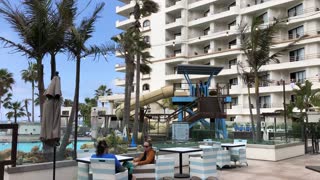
x=223, y=156
x=164, y=168
x=105, y=169
x=81, y=153
x=83, y=171
x=206, y=166
x=239, y=153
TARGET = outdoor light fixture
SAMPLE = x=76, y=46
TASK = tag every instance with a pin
x=173, y=44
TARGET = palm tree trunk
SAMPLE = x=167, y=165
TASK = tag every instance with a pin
x=137, y=105
x=128, y=90
x=251, y=116
x=27, y=110
x=40, y=85
x=53, y=64
x=73, y=117
x=256, y=84
x=32, y=97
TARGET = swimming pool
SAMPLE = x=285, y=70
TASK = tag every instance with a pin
x=27, y=146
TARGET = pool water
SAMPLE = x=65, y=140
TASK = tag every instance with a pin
x=27, y=146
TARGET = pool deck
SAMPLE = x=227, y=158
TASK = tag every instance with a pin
x=293, y=169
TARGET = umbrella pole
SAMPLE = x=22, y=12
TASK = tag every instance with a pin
x=54, y=161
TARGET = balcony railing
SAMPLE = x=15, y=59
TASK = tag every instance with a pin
x=305, y=57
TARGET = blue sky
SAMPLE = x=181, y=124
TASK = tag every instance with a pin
x=93, y=73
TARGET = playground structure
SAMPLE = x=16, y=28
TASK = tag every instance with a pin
x=194, y=100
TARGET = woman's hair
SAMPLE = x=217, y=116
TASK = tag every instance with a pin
x=149, y=142
x=102, y=145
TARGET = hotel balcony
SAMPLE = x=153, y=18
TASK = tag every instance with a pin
x=251, y=7
x=175, y=24
x=125, y=24
x=243, y=109
x=125, y=10
x=120, y=67
x=232, y=12
x=200, y=3
x=177, y=6
x=119, y=82
x=305, y=15
x=309, y=60
x=145, y=76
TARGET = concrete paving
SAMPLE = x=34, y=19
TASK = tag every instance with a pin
x=293, y=169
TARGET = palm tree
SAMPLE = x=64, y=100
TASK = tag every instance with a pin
x=305, y=97
x=6, y=82
x=125, y=41
x=256, y=42
x=85, y=109
x=26, y=106
x=141, y=8
x=17, y=110
x=102, y=91
x=61, y=20
x=30, y=75
x=76, y=45
x=67, y=102
x=31, y=24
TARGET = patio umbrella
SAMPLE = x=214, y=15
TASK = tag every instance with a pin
x=50, y=121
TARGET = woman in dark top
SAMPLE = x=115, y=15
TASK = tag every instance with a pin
x=103, y=152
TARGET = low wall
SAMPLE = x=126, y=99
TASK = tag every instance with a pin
x=64, y=170
x=274, y=152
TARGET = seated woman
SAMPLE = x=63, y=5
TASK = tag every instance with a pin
x=103, y=152
x=147, y=157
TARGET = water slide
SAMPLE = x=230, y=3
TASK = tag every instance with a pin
x=162, y=93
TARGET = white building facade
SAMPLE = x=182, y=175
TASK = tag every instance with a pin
x=206, y=32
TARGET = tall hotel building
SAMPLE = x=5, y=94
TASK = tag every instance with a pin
x=206, y=32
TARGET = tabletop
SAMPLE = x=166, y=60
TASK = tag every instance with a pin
x=180, y=149
x=119, y=157
x=232, y=145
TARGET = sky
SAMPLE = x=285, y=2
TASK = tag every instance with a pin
x=93, y=72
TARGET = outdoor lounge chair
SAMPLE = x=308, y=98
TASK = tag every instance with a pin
x=105, y=169
x=85, y=153
x=206, y=166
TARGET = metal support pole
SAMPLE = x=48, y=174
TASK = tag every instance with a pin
x=285, y=110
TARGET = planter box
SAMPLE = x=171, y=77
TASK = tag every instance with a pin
x=64, y=170
x=274, y=152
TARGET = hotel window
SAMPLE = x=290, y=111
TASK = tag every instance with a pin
x=234, y=101
x=146, y=23
x=232, y=118
x=146, y=39
x=298, y=76
x=231, y=5
x=295, y=33
x=295, y=11
x=132, y=88
x=232, y=43
x=145, y=87
x=232, y=62
x=177, y=52
x=264, y=80
x=206, y=31
x=265, y=101
x=296, y=55
x=263, y=18
x=206, y=49
x=233, y=23
x=233, y=81
x=206, y=13
x=177, y=35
